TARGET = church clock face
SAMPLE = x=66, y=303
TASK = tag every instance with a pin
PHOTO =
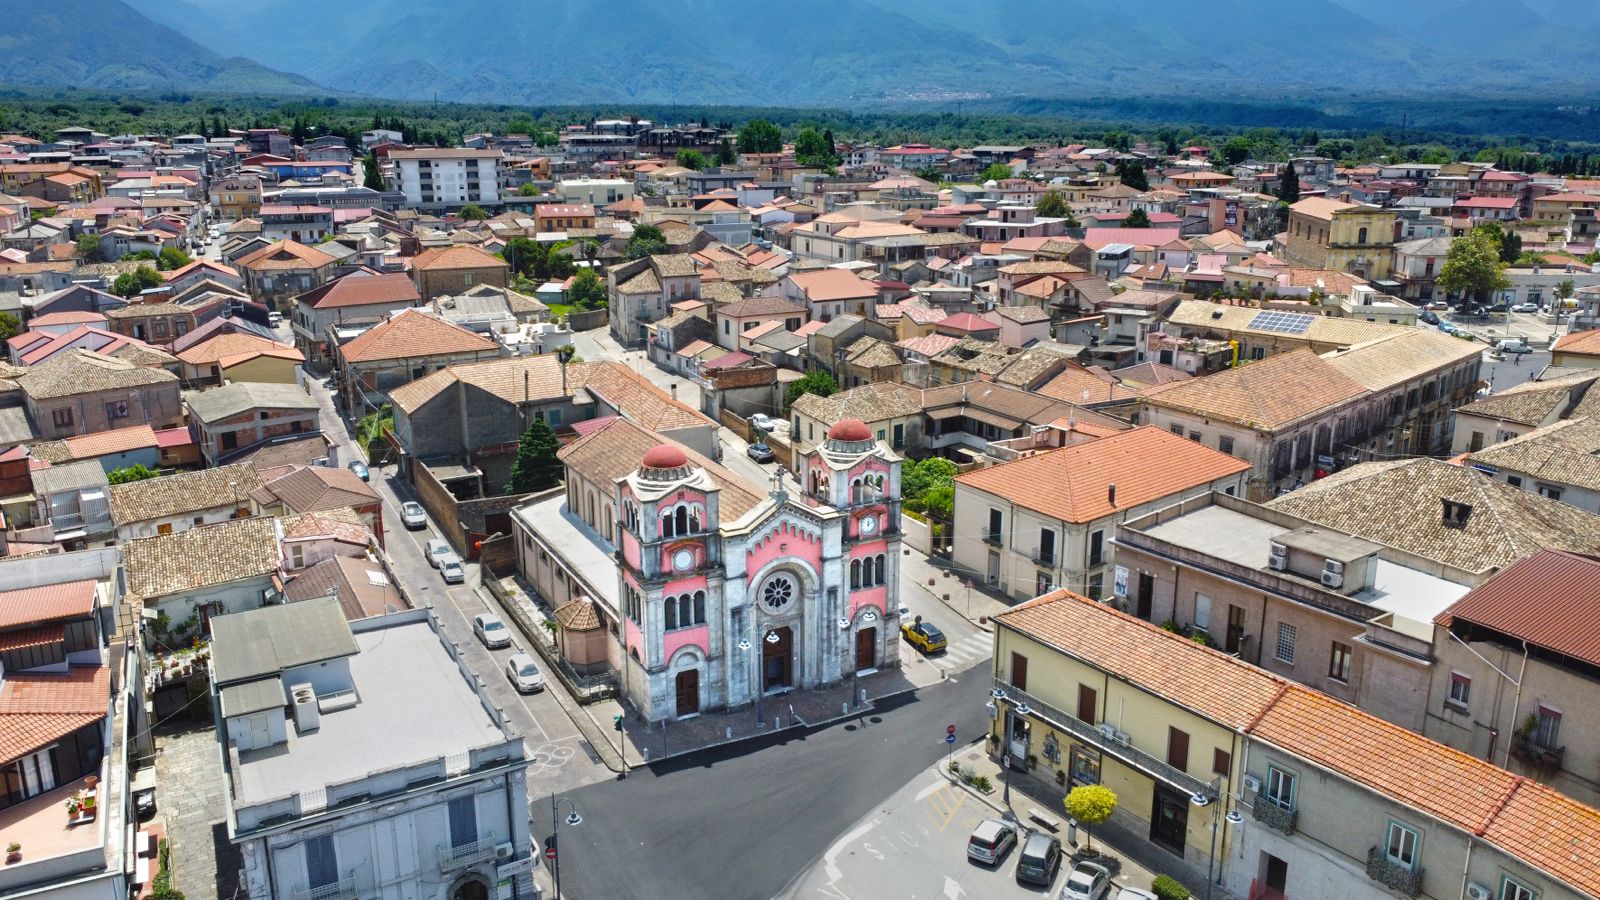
x=869, y=524
x=683, y=560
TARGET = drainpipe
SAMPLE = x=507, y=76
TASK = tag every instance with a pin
x=1516, y=705
x=1466, y=867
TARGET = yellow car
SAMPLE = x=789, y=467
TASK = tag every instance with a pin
x=924, y=636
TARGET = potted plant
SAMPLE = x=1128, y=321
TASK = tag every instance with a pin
x=13, y=853
x=1033, y=762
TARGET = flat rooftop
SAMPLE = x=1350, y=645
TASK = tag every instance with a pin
x=1246, y=540
x=581, y=546
x=415, y=705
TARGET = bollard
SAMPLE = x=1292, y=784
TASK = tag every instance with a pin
x=645, y=753
x=844, y=709
x=730, y=732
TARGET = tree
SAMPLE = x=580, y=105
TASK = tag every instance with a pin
x=1137, y=219
x=726, y=156
x=129, y=284
x=930, y=173
x=371, y=172
x=997, y=172
x=812, y=149
x=1564, y=290
x=1131, y=173
x=1507, y=244
x=171, y=258
x=528, y=190
x=1236, y=150
x=647, y=240
x=587, y=290
x=760, y=136
x=917, y=478
x=137, y=472
x=537, y=466
x=89, y=248
x=1091, y=805
x=1052, y=206
x=690, y=158
x=1529, y=258
x=10, y=326
x=815, y=381
x=372, y=430
x=1289, y=187
x=472, y=212
x=1473, y=267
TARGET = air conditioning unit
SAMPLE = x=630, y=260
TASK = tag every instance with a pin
x=1108, y=731
x=1333, y=580
x=1278, y=563
x=1334, y=566
x=1279, y=551
x=1252, y=784
x=1476, y=891
x=505, y=851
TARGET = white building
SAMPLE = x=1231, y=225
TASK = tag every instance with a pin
x=447, y=178
x=363, y=759
x=596, y=192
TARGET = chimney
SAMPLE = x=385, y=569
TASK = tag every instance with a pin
x=674, y=391
x=1111, y=494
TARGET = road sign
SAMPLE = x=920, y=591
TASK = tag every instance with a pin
x=949, y=739
x=1008, y=761
x=949, y=729
x=550, y=853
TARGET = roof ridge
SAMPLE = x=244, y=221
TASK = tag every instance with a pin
x=1516, y=785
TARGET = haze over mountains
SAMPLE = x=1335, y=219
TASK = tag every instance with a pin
x=814, y=52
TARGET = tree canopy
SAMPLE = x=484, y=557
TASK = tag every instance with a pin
x=472, y=212
x=1052, y=206
x=760, y=136
x=1289, y=188
x=811, y=148
x=647, y=240
x=129, y=284
x=1131, y=173
x=1473, y=267
x=172, y=258
x=136, y=472
x=997, y=172
x=587, y=290
x=371, y=172
x=536, y=467
x=1091, y=805
x=1137, y=219
x=690, y=158
x=815, y=381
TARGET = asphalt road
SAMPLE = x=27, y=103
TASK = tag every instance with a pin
x=741, y=823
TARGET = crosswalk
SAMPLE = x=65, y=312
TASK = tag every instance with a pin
x=966, y=652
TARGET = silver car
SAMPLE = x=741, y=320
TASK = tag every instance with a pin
x=413, y=515
x=491, y=631
x=452, y=569
x=1088, y=881
x=524, y=674
x=990, y=840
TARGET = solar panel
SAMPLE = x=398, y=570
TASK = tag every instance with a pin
x=1281, y=322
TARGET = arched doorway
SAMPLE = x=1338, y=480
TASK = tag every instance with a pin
x=688, y=689
x=867, y=648
x=473, y=888
x=777, y=660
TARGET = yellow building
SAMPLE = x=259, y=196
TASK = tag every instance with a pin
x=1361, y=242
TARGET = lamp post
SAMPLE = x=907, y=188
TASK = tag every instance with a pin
x=868, y=618
x=555, y=827
x=745, y=645
x=1233, y=817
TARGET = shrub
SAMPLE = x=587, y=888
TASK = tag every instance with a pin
x=1165, y=887
x=982, y=783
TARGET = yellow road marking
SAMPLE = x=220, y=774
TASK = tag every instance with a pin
x=946, y=804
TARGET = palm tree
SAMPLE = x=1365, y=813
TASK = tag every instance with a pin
x=372, y=431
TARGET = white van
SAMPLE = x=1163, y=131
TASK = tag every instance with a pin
x=1516, y=346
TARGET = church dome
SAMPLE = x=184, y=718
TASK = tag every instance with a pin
x=851, y=430
x=665, y=456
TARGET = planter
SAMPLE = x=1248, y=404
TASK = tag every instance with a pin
x=13, y=858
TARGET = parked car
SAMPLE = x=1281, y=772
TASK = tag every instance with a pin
x=1448, y=328
x=761, y=453
x=1497, y=308
x=413, y=515
x=1516, y=346
x=436, y=548
x=274, y=319
x=762, y=422
x=1428, y=317
x=1525, y=308
x=491, y=631
x=360, y=468
x=923, y=636
x=990, y=840
x=452, y=569
x=524, y=674
x=1088, y=881
x=1039, y=859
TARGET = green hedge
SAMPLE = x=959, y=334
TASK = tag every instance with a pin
x=1165, y=887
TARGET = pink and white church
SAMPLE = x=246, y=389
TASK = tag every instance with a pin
x=796, y=593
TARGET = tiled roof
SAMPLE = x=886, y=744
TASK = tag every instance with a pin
x=1532, y=402
x=645, y=282
x=1264, y=395
x=1403, y=356
x=232, y=348
x=967, y=322
x=1564, y=619
x=231, y=399
x=285, y=255
x=200, y=557
x=1087, y=386
x=25, y=606
x=36, y=710
x=456, y=257
x=82, y=372
x=1073, y=484
x=674, y=265
x=1401, y=504
x=410, y=334
x=318, y=488
x=1559, y=453
x=1319, y=207
x=869, y=403
x=871, y=353
x=615, y=450
x=361, y=585
x=825, y=285
x=1581, y=343
x=173, y=437
x=176, y=495
x=343, y=524
x=929, y=344
x=1005, y=406
x=105, y=443
x=362, y=290
x=762, y=306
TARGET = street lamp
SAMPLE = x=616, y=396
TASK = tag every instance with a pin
x=744, y=645
x=868, y=618
x=573, y=819
x=1202, y=799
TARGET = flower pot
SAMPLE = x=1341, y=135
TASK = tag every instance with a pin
x=13, y=857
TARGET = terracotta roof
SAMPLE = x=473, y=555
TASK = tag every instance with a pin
x=1582, y=343
x=617, y=449
x=176, y=495
x=1401, y=504
x=1073, y=484
x=31, y=605
x=232, y=348
x=825, y=285
x=285, y=255
x=362, y=290
x=105, y=443
x=1087, y=386
x=1399, y=357
x=1559, y=453
x=318, y=488
x=410, y=334
x=1552, y=831
x=38, y=709
x=80, y=371
x=1319, y=207
x=1265, y=395
x=578, y=615
x=456, y=257
x=200, y=557
x=645, y=282
x=1005, y=406
x=361, y=585
x=1564, y=620
x=762, y=306
x=1532, y=402
x=929, y=344
x=67, y=318
x=967, y=322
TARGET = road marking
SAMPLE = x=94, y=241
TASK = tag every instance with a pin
x=830, y=859
x=930, y=790
x=952, y=890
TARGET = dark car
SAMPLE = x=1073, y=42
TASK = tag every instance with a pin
x=360, y=468
x=1499, y=308
x=1039, y=860
x=1429, y=317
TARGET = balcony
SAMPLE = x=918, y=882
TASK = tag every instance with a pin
x=338, y=890
x=1390, y=874
x=992, y=538
x=464, y=855
x=1128, y=754
x=1048, y=560
x=1278, y=818
x=1530, y=751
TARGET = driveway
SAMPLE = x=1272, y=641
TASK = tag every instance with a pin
x=190, y=801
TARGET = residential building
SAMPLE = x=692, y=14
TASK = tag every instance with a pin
x=236, y=196
x=563, y=217
x=295, y=222
x=237, y=417
x=735, y=320
x=316, y=807
x=175, y=503
x=153, y=323
x=205, y=571
x=1331, y=801
x=317, y=489
x=71, y=504
x=356, y=301
x=1521, y=408
x=456, y=270
x=401, y=349
x=827, y=293
x=1048, y=519
x=1576, y=350
x=436, y=179
x=595, y=191
x=643, y=291
x=1511, y=678
x=80, y=392
x=1310, y=230
x=891, y=411
x=281, y=270
x=363, y=586
x=1557, y=461
x=231, y=356
x=1417, y=264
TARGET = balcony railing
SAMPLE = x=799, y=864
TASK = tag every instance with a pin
x=464, y=855
x=1530, y=751
x=1276, y=817
x=1391, y=874
x=1130, y=755
x=339, y=890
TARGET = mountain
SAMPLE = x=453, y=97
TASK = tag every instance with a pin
x=856, y=52
x=107, y=45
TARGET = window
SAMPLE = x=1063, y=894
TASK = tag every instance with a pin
x=1225, y=444
x=1280, y=788
x=463, y=821
x=1285, y=649
x=1511, y=890
x=1176, y=429
x=993, y=536
x=1019, y=671
x=1047, y=546
x=1221, y=762
x=322, y=864
x=1514, y=480
x=1177, y=749
x=1202, y=613
x=1401, y=847
x=1339, y=662
x=1097, y=548
x=899, y=437
x=1550, y=490
x=1096, y=586
x=1194, y=436
x=1548, y=731
x=61, y=417
x=1460, y=690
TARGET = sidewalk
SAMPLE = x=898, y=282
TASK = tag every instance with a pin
x=1122, y=837
x=937, y=580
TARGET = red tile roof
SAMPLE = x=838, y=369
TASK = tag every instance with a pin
x=456, y=257
x=174, y=437
x=27, y=606
x=38, y=709
x=413, y=334
x=362, y=290
x=117, y=440
x=1567, y=617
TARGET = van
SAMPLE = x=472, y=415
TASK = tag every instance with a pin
x=1516, y=346
x=990, y=840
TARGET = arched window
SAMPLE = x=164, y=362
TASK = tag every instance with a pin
x=855, y=574
x=699, y=607
x=881, y=563
x=681, y=520
x=671, y=609
x=666, y=526
x=694, y=521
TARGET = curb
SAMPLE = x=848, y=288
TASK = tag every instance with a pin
x=985, y=625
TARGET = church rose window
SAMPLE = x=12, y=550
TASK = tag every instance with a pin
x=777, y=593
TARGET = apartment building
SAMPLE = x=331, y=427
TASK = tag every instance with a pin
x=435, y=179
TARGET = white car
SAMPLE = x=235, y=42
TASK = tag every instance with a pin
x=491, y=631
x=762, y=422
x=412, y=513
x=452, y=569
x=436, y=548
x=524, y=674
x=1088, y=881
x=1525, y=308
